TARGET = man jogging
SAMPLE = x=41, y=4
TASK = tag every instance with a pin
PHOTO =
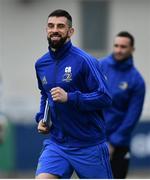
x=71, y=81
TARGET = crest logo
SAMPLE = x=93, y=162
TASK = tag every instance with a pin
x=67, y=77
x=123, y=85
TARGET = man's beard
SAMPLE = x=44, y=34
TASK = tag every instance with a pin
x=56, y=44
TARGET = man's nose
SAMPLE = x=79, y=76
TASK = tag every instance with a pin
x=118, y=49
x=55, y=29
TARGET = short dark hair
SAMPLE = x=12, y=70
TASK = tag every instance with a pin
x=62, y=13
x=127, y=35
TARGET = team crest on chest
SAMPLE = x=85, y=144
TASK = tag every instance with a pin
x=67, y=77
x=123, y=85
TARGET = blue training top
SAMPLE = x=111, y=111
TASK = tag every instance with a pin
x=127, y=88
x=78, y=122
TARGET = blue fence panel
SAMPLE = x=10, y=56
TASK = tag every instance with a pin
x=28, y=146
x=140, y=146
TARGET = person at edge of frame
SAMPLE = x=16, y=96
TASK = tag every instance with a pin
x=127, y=88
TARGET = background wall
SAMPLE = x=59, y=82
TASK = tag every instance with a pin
x=23, y=40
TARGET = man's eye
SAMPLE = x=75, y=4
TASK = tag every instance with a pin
x=123, y=46
x=50, y=25
x=61, y=26
x=116, y=45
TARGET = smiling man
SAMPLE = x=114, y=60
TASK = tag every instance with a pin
x=128, y=90
x=57, y=38
x=71, y=81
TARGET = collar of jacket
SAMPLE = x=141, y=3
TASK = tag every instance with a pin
x=125, y=64
x=61, y=52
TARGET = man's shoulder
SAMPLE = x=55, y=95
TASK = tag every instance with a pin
x=86, y=58
x=82, y=53
x=42, y=59
x=104, y=61
x=137, y=75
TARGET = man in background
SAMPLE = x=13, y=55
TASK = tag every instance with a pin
x=128, y=90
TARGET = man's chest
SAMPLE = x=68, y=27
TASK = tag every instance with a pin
x=63, y=74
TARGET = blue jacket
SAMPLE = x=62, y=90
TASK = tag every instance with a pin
x=127, y=88
x=78, y=122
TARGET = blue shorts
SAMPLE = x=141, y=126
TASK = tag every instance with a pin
x=88, y=162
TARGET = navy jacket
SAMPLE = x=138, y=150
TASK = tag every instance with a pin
x=127, y=88
x=79, y=121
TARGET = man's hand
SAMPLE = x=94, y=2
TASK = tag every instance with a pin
x=42, y=128
x=58, y=94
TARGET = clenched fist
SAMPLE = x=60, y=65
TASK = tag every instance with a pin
x=58, y=94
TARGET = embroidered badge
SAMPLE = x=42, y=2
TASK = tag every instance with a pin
x=67, y=77
x=123, y=85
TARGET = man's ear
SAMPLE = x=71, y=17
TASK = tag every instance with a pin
x=71, y=31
